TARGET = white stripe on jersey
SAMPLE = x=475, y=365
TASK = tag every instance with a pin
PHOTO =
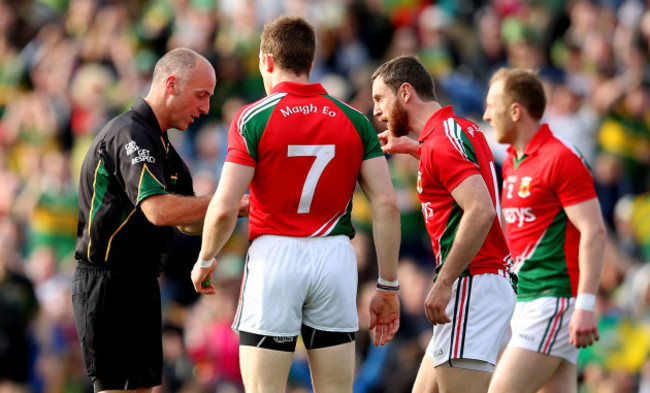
x=496, y=191
x=527, y=254
x=451, y=133
x=573, y=149
x=252, y=107
x=324, y=225
x=348, y=105
x=253, y=110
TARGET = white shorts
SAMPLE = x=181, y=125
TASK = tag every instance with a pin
x=542, y=325
x=290, y=281
x=480, y=310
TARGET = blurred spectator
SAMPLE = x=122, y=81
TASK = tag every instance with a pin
x=18, y=308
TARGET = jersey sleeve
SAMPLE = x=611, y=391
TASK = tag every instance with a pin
x=572, y=180
x=451, y=161
x=370, y=140
x=238, y=148
x=135, y=164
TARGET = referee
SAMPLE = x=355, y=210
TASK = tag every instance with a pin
x=133, y=187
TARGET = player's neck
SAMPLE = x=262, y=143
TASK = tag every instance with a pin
x=526, y=131
x=421, y=113
x=283, y=76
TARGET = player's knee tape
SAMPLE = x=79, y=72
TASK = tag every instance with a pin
x=314, y=338
x=276, y=343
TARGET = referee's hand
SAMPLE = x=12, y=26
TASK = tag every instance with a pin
x=201, y=278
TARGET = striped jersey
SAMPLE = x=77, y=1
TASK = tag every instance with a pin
x=307, y=148
x=129, y=160
x=544, y=243
x=451, y=149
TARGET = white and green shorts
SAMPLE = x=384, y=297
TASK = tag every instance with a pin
x=480, y=310
x=542, y=325
x=290, y=281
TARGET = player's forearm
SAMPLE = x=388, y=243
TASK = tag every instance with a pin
x=220, y=221
x=386, y=235
x=195, y=228
x=591, y=258
x=174, y=210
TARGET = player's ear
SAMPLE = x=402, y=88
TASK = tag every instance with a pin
x=171, y=84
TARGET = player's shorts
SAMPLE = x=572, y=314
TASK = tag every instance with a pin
x=290, y=281
x=542, y=325
x=119, y=323
x=480, y=310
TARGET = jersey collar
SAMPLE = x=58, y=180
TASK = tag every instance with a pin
x=441, y=114
x=299, y=89
x=143, y=109
x=540, y=137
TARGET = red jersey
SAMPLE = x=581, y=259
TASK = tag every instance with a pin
x=551, y=175
x=451, y=149
x=307, y=148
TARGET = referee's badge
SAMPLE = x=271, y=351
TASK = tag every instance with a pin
x=524, y=187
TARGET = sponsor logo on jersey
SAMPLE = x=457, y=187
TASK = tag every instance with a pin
x=427, y=211
x=519, y=215
x=524, y=187
x=437, y=352
x=471, y=130
x=419, y=183
x=131, y=148
x=143, y=156
x=282, y=340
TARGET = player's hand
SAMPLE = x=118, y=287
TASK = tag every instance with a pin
x=384, y=316
x=583, y=330
x=244, y=206
x=202, y=278
x=392, y=144
x=436, y=303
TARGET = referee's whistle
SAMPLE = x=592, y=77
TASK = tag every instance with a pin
x=206, y=283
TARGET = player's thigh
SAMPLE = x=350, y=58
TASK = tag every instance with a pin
x=520, y=371
x=331, y=304
x=542, y=325
x=462, y=380
x=564, y=380
x=264, y=370
x=276, y=281
x=332, y=368
x=480, y=311
x=426, y=382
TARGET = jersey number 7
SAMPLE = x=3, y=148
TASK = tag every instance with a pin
x=324, y=154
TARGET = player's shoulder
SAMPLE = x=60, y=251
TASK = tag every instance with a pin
x=558, y=148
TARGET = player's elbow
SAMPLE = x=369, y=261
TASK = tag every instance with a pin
x=482, y=216
x=157, y=218
x=385, y=205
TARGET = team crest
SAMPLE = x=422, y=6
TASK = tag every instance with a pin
x=419, y=182
x=524, y=187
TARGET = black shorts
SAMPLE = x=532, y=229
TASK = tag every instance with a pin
x=119, y=322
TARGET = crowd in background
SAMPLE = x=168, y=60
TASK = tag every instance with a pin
x=67, y=66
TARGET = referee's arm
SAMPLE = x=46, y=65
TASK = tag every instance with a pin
x=185, y=212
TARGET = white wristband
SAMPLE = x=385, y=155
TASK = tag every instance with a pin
x=205, y=264
x=387, y=283
x=586, y=301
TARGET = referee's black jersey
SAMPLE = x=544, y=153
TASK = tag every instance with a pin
x=129, y=160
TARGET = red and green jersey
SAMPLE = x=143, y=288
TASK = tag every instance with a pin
x=307, y=148
x=536, y=188
x=451, y=149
